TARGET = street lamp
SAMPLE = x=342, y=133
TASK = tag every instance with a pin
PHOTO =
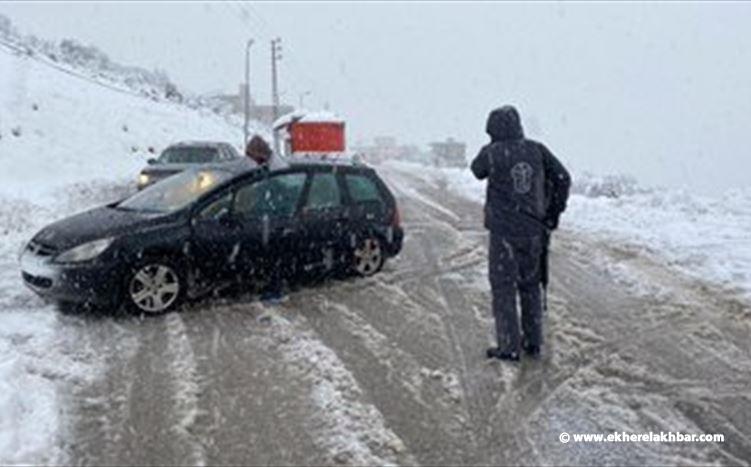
x=247, y=92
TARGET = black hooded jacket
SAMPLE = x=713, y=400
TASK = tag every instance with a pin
x=527, y=186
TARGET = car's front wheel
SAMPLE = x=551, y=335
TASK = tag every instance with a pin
x=368, y=257
x=154, y=287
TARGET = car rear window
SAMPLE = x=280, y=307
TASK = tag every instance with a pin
x=362, y=189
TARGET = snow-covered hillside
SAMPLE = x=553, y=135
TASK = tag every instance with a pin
x=56, y=129
x=88, y=62
x=65, y=144
x=701, y=236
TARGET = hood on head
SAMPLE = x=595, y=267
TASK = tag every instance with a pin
x=504, y=124
x=258, y=150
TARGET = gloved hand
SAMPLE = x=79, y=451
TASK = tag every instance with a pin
x=551, y=223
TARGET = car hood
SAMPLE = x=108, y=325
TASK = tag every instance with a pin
x=102, y=222
x=168, y=169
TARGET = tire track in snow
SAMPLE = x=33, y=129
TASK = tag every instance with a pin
x=412, y=374
x=101, y=411
x=350, y=429
x=184, y=375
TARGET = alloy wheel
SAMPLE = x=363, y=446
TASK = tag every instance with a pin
x=368, y=257
x=154, y=288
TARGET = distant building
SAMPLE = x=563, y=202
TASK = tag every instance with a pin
x=385, y=148
x=449, y=153
x=235, y=103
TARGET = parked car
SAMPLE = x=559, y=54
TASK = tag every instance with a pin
x=186, y=155
x=217, y=223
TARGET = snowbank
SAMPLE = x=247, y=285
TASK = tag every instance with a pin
x=704, y=237
x=31, y=367
x=20, y=406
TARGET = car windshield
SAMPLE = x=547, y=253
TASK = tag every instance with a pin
x=175, y=192
x=189, y=155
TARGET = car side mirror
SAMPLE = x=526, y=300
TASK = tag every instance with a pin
x=152, y=161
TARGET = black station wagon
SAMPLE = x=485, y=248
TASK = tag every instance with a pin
x=208, y=225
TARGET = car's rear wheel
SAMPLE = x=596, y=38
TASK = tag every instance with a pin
x=155, y=287
x=368, y=257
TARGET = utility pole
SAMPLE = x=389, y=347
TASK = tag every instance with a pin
x=246, y=97
x=276, y=55
x=276, y=49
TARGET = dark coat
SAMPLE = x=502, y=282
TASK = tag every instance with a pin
x=527, y=186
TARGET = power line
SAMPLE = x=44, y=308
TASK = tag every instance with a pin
x=299, y=69
x=244, y=17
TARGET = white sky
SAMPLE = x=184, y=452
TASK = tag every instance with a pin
x=659, y=90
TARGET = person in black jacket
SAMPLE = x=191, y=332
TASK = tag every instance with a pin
x=527, y=190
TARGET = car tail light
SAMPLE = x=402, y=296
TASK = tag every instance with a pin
x=396, y=221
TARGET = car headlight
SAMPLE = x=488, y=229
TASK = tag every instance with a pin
x=143, y=179
x=84, y=252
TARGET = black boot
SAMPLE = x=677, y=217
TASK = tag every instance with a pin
x=532, y=350
x=495, y=352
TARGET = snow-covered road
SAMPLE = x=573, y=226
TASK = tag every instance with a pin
x=391, y=369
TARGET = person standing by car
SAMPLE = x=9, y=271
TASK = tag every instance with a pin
x=259, y=150
x=527, y=190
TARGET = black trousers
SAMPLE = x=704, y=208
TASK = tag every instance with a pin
x=514, y=270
